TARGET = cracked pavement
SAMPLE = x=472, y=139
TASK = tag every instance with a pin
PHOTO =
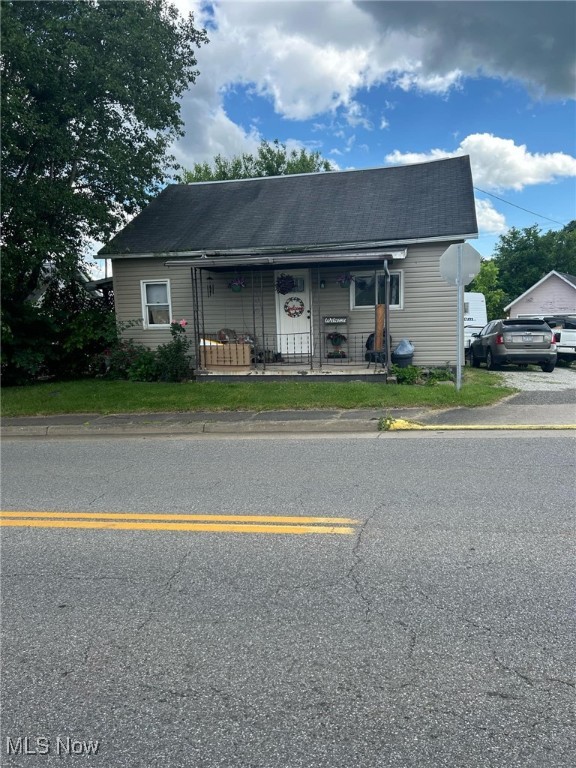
x=439, y=634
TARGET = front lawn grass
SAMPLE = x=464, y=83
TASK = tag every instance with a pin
x=106, y=397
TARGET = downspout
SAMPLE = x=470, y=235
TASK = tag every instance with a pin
x=387, y=316
x=262, y=321
x=374, y=346
x=198, y=332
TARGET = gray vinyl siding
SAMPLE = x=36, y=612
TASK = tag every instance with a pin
x=127, y=274
x=428, y=316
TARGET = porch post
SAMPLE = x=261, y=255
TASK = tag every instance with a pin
x=378, y=320
x=262, y=318
x=255, y=348
x=198, y=333
x=319, y=327
x=387, y=316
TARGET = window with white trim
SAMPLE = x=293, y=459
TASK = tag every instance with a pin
x=368, y=289
x=156, y=309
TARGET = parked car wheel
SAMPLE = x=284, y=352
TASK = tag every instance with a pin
x=490, y=364
x=547, y=367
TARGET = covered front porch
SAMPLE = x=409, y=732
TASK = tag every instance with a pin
x=275, y=317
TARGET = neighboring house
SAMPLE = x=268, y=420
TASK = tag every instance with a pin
x=101, y=289
x=215, y=254
x=554, y=294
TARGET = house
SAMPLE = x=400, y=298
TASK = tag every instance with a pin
x=554, y=294
x=299, y=273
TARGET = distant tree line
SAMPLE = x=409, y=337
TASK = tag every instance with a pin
x=271, y=159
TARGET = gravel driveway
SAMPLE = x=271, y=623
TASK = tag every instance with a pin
x=561, y=378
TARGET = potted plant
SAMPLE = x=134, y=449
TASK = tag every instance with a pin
x=237, y=283
x=344, y=279
x=336, y=339
x=285, y=283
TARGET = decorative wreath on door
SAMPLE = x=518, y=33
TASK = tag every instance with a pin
x=293, y=306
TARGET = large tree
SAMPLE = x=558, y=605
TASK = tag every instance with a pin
x=524, y=256
x=271, y=159
x=90, y=107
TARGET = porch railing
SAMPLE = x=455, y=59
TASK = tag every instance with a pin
x=226, y=349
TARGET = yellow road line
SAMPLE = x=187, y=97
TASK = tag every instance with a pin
x=174, y=522
x=166, y=526
x=267, y=519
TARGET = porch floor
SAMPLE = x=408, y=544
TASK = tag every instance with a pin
x=348, y=373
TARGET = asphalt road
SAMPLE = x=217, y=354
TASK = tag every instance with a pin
x=438, y=631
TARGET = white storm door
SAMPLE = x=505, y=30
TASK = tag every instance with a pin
x=293, y=314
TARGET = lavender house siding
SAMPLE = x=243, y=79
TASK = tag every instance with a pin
x=553, y=297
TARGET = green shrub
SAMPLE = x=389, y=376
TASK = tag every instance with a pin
x=173, y=358
x=115, y=362
x=409, y=375
x=144, y=367
x=435, y=375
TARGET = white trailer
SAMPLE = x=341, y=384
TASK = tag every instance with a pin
x=475, y=317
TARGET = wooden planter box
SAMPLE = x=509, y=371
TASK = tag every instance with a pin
x=226, y=357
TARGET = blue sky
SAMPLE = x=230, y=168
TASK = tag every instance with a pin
x=372, y=84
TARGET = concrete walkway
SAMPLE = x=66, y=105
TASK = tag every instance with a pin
x=529, y=410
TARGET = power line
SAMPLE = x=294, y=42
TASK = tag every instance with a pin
x=518, y=206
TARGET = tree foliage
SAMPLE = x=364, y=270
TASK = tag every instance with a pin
x=89, y=110
x=271, y=159
x=487, y=282
x=523, y=257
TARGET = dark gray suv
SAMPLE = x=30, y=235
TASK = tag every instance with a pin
x=520, y=341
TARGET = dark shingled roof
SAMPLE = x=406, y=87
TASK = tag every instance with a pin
x=384, y=205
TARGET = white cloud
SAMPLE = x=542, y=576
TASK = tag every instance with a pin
x=296, y=55
x=490, y=221
x=499, y=164
x=312, y=58
x=355, y=116
x=431, y=83
x=211, y=132
x=301, y=77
